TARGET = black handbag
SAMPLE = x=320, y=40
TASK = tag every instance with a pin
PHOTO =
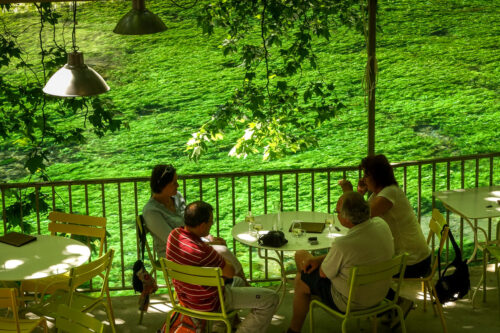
x=456, y=285
x=273, y=238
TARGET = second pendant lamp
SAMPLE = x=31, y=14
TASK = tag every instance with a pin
x=139, y=21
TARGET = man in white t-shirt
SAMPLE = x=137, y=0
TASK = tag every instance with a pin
x=368, y=241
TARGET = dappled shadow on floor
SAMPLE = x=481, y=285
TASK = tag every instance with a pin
x=460, y=316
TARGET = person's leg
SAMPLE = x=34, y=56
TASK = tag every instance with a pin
x=302, y=293
x=301, y=300
x=305, y=286
x=261, y=301
x=419, y=269
x=300, y=257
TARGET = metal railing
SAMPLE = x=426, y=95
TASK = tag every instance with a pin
x=232, y=195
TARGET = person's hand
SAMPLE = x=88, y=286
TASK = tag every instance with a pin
x=310, y=265
x=362, y=187
x=345, y=185
x=218, y=241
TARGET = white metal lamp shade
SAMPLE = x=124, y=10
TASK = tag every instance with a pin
x=139, y=21
x=75, y=79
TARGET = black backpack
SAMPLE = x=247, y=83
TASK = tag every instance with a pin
x=457, y=284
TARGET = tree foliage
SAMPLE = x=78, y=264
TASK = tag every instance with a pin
x=277, y=108
x=31, y=120
x=36, y=123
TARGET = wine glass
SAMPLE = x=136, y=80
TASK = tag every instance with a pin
x=297, y=228
x=329, y=222
x=257, y=227
x=250, y=220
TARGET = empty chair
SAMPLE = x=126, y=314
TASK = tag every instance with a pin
x=80, y=301
x=74, y=225
x=8, y=299
x=491, y=249
x=73, y=321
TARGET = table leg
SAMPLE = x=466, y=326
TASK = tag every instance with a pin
x=282, y=287
x=482, y=280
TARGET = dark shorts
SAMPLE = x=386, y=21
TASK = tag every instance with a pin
x=320, y=287
x=420, y=269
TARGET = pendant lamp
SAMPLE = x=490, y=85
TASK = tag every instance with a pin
x=139, y=21
x=75, y=78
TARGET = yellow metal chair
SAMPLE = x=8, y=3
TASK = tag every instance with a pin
x=8, y=299
x=74, y=321
x=142, y=234
x=72, y=224
x=361, y=275
x=439, y=229
x=203, y=276
x=98, y=268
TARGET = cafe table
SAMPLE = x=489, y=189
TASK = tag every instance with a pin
x=241, y=233
x=473, y=204
x=46, y=256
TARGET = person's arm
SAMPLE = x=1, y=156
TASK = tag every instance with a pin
x=311, y=264
x=331, y=265
x=211, y=240
x=346, y=186
x=228, y=270
x=379, y=205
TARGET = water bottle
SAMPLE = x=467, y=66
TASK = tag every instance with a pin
x=278, y=223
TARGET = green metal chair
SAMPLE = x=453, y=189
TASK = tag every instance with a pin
x=74, y=321
x=75, y=299
x=361, y=275
x=437, y=228
x=203, y=276
x=8, y=299
x=142, y=234
x=492, y=250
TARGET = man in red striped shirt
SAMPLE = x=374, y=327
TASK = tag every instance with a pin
x=186, y=247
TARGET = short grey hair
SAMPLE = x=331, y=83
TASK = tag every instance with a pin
x=355, y=208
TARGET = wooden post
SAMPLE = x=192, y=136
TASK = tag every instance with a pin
x=371, y=74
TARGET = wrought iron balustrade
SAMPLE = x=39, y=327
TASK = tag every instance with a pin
x=232, y=195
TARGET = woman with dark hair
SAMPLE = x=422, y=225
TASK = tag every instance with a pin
x=165, y=211
x=389, y=202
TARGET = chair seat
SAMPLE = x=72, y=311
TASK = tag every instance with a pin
x=50, y=305
x=47, y=285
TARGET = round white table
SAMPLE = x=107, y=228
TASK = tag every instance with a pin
x=47, y=255
x=241, y=233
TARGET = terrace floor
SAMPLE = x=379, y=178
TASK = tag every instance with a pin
x=460, y=316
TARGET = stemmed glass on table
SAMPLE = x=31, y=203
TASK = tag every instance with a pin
x=329, y=222
x=250, y=220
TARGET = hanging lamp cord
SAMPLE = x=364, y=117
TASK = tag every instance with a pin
x=73, y=35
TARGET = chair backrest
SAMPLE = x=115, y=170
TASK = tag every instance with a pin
x=8, y=299
x=97, y=268
x=439, y=228
x=361, y=275
x=74, y=321
x=75, y=224
x=202, y=276
x=142, y=232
